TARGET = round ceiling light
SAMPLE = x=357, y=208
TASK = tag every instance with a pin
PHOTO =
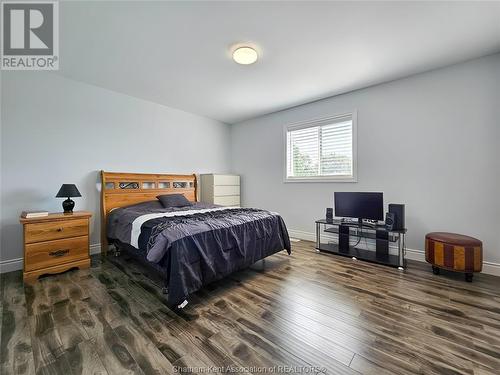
x=245, y=55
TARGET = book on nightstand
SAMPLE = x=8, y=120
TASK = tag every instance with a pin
x=31, y=214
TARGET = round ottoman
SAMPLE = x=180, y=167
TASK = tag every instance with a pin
x=454, y=252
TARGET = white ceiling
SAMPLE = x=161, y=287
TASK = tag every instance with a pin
x=176, y=53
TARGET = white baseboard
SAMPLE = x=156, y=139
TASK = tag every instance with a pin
x=489, y=268
x=95, y=249
x=307, y=236
x=17, y=263
x=11, y=265
x=413, y=254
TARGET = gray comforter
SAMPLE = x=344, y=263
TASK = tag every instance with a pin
x=196, y=249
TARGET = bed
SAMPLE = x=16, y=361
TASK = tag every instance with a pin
x=190, y=246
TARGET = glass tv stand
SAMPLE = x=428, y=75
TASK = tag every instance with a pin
x=341, y=236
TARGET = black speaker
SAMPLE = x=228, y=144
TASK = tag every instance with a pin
x=399, y=215
x=329, y=214
x=382, y=243
x=389, y=220
x=343, y=238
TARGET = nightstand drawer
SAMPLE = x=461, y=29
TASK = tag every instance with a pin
x=50, y=253
x=54, y=230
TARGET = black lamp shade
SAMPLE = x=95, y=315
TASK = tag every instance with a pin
x=68, y=190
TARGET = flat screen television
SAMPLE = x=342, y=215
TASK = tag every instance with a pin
x=359, y=205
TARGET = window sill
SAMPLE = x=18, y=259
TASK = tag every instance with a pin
x=321, y=179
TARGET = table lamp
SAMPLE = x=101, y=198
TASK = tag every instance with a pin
x=68, y=191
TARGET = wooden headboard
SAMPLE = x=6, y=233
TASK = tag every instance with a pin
x=123, y=189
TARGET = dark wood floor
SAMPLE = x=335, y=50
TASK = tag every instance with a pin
x=303, y=310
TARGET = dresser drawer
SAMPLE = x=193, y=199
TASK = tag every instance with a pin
x=54, y=230
x=51, y=253
x=222, y=190
x=226, y=179
x=229, y=200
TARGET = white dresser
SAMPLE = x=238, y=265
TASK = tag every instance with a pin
x=223, y=189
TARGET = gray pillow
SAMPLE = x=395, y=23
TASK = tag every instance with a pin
x=173, y=200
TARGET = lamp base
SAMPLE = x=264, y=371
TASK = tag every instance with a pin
x=68, y=206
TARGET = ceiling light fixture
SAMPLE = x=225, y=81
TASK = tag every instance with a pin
x=245, y=55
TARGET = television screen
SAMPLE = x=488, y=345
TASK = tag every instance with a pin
x=359, y=205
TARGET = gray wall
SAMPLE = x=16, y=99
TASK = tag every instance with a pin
x=430, y=141
x=56, y=130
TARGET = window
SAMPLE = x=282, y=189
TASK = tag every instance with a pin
x=322, y=150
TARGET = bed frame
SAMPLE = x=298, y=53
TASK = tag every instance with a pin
x=123, y=189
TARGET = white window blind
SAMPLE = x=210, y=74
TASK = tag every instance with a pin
x=321, y=150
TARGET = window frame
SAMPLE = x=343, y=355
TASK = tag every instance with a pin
x=318, y=122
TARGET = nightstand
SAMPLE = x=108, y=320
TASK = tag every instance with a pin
x=55, y=243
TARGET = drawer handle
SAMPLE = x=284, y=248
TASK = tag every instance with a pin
x=59, y=253
x=59, y=229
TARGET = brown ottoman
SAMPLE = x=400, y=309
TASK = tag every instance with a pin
x=454, y=252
